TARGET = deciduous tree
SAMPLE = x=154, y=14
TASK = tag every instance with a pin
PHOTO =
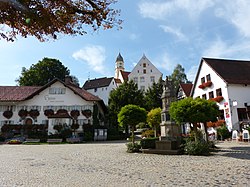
x=194, y=111
x=41, y=73
x=125, y=94
x=153, y=96
x=45, y=19
x=154, y=119
x=131, y=115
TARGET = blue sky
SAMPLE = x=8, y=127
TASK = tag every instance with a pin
x=168, y=32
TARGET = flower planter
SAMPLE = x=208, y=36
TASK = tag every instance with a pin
x=205, y=85
x=8, y=114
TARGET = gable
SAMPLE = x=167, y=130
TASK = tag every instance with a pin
x=206, y=74
x=144, y=64
x=232, y=71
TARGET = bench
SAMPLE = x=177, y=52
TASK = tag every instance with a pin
x=31, y=140
x=54, y=140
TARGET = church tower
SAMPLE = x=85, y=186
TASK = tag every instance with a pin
x=119, y=65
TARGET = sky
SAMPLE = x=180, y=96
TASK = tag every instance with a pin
x=168, y=32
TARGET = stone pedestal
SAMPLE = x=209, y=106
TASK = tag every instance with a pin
x=166, y=145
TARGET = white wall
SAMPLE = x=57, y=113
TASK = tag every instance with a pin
x=151, y=71
x=46, y=99
x=232, y=92
x=104, y=92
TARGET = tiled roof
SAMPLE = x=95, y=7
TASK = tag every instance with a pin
x=84, y=94
x=186, y=87
x=118, y=81
x=125, y=75
x=97, y=83
x=20, y=93
x=232, y=71
x=17, y=93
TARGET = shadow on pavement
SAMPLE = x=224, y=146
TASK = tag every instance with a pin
x=238, y=152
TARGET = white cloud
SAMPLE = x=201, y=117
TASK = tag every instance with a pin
x=174, y=31
x=221, y=49
x=159, y=10
x=237, y=13
x=93, y=56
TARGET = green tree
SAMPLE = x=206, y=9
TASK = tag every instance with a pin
x=153, y=96
x=41, y=73
x=131, y=115
x=46, y=19
x=154, y=119
x=125, y=94
x=178, y=76
x=194, y=111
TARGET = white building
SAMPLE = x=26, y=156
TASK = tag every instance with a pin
x=144, y=74
x=55, y=103
x=228, y=83
x=101, y=87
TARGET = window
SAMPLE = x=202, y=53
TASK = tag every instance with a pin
x=208, y=77
x=202, y=80
x=218, y=92
x=95, y=90
x=142, y=88
x=137, y=71
x=57, y=90
x=242, y=114
x=136, y=79
x=152, y=79
x=144, y=65
x=204, y=96
x=142, y=79
x=144, y=71
x=211, y=95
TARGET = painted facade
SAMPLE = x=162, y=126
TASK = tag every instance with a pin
x=228, y=83
x=53, y=104
x=144, y=74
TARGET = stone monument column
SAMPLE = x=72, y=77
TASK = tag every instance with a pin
x=169, y=129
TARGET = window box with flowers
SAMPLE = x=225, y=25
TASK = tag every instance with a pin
x=218, y=99
x=205, y=84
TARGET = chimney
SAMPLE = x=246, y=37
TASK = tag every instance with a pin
x=68, y=79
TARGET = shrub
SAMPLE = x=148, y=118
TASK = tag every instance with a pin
x=133, y=148
x=148, y=133
x=223, y=132
x=148, y=143
x=197, y=148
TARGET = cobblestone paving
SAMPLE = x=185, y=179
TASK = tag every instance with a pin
x=108, y=164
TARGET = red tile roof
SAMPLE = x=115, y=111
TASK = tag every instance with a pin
x=16, y=93
x=84, y=94
x=118, y=81
x=125, y=75
x=21, y=93
x=186, y=87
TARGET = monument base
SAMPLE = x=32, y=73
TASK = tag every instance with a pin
x=164, y=147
